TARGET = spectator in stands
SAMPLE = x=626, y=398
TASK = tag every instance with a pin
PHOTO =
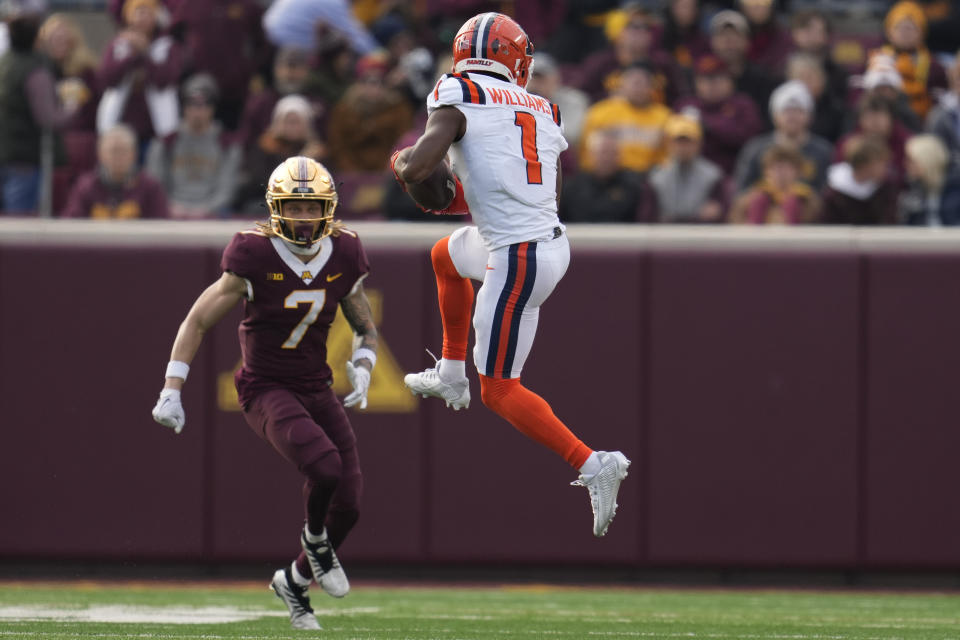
x=116, y=189
x=546, y=81
x=943, y=25
x=293, y=23
x=688, y=187
x=810, y=30
x=781, y=196
x=875, y=118
x=74, y=68
x=883, y=80
x=829, y=110
x=730, y=41
x=139, y=73
x=944, y=119
x=606, y=192
x=333, y=66
x=860, y=190
x=729, y=118
x=164, y=7
x=291, y=70
x=225, y=39
x=791, y=107
x=769, y=42
x=631, y=40
x=634, y=118
x=367, y=122
x=411, y=65
x=198, y=165
x=905, y=28
x=931, y=197
x=578, y=35
x=290, y=134
x=28, y=108
x=682, y=37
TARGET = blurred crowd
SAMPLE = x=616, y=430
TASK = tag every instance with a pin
x=676, y=111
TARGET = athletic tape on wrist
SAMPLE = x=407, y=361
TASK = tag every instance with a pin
x=177, y=369
x=364, y=352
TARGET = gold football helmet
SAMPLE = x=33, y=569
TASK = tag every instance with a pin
x=301, y=178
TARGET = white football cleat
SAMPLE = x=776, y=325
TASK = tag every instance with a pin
x=326, y=568
x=428, y=383
x=603, y=487
x=296, y=599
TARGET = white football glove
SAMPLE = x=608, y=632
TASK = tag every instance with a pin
x=169, y=411
x=359, y=378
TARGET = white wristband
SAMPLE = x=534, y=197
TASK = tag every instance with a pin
x=364, y=352
x=177, y=369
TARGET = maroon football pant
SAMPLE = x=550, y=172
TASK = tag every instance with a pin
x=312, y=432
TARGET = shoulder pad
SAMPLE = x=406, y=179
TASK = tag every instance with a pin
x=456, y=88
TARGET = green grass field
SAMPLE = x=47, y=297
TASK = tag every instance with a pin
x=247, y=611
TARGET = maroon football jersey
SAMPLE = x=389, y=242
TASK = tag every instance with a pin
x=290, y=307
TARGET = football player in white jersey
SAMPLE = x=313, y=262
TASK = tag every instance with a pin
x=504, y=144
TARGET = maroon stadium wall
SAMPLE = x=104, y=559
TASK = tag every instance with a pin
x=788, y=399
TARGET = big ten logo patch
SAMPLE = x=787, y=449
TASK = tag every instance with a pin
x=387, y=392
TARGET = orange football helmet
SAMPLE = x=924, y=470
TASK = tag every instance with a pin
x=301, y=178
x=496, y=43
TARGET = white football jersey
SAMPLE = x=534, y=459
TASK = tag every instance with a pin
x=508, y=157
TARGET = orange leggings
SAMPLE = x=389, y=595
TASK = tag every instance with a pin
x=532, y=417
x=506, y=397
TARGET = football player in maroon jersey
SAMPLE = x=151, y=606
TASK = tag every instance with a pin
x=292, y=273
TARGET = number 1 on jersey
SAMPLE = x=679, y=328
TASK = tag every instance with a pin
x=528, y=142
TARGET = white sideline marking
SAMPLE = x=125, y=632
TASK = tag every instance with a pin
x=158, y=615
x=131, y=614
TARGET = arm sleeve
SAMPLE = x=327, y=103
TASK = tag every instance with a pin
x=164, y=62
x=744, y=173
x=43, y=100
x=226, y=179
x=155, y=162
x=735, y=129
x=118, y=60
x=719, y=193
x=236, y=257
x=78, y=202
x=362, y=263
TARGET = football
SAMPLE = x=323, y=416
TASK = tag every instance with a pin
x=437, y=190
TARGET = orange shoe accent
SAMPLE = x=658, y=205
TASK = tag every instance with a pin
x=533, y=417
x=455, y=294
